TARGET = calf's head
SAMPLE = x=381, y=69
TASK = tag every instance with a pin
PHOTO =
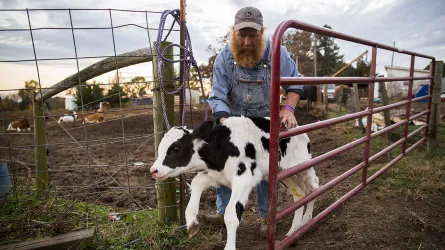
x=178, y=151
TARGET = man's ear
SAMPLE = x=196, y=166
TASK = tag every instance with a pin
x=203, y=131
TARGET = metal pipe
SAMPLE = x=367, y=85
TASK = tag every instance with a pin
x=369, y=118
x=288, y=240
x=321, y=124
x=314, y=161
x=418, y=115
x=328, y=32
x=386, y=150
x=387, y=129
x=430, y=96
x=415, y=145
x=385, y=168
x=416, y=131
x=274, y=136
x=338, y=80
x=321, y=190
x=408, y=106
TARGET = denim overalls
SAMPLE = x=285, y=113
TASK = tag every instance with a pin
x=249, y=96
x=250, y=90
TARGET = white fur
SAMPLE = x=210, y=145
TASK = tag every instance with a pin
x=243, y=131
x=67, y=118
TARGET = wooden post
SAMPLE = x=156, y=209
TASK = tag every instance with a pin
x=166, y=190
x=340, y=100
x=357, y=107
x=41, y=160
x=386, y=114
x=325, y=97
x=433, y=137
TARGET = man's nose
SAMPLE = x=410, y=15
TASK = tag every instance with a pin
x=247, y=41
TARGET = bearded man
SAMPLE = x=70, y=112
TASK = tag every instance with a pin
x=241, y=87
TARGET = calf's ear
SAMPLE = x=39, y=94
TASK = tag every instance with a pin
x=203, y=131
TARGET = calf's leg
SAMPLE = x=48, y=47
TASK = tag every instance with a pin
x=241, y=188
x=200, y=183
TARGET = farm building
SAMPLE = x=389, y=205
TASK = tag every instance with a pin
x=399, y=89
x=70, y=103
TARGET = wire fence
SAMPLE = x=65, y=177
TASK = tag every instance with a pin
x=98, y=173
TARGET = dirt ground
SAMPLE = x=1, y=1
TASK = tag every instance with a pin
x=374, y=219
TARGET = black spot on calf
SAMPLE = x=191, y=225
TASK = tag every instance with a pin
x=262, y=123
x=265, y=143
x=241, y=168
x=252, y=167
x=250, y=151
x=239, y=210
x=309, y=147
x=218, y=147
x=283, y=146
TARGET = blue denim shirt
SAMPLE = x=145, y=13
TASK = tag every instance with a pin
x=245, y=91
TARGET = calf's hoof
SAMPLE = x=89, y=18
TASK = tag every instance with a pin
x=193, y=229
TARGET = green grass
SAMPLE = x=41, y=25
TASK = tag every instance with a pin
x=34, y=218
x=419, y=173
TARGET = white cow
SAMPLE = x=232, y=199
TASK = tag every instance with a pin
x=68, y=118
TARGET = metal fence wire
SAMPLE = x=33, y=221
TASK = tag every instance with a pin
x=97, y=173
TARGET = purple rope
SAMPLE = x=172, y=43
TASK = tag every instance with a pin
x=189, y=61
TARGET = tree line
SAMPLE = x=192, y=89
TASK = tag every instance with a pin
x=88, y=94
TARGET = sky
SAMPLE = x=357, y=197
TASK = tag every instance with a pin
x=413, y=25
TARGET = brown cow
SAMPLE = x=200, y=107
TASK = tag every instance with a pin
x=99, y=116
x=19, y=125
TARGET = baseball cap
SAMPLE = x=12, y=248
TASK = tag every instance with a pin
x=248, y=17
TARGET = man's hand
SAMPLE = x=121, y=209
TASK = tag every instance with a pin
x=221, y=120
x=288, y=119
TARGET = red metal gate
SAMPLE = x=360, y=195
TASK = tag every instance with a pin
x=276, y=135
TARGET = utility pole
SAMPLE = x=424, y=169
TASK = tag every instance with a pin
x=315, y=56
x=319, y=101
x=392, y=59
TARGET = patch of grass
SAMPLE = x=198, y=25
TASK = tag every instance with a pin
x=138, y=230
x=418, y=173
x=37, y=218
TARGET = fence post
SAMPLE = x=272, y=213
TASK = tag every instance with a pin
x=166, y=189
x=41, y=160
x=340, y=100
x=386, y=113
x=325, y=98
x=435, y=107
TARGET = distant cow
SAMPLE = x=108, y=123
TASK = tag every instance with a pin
x=68, y=118
x=19, y=125
x=99, y=116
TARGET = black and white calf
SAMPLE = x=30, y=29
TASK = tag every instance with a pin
x=234, y=154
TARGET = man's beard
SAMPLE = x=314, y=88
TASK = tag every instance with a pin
x=247, y=56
